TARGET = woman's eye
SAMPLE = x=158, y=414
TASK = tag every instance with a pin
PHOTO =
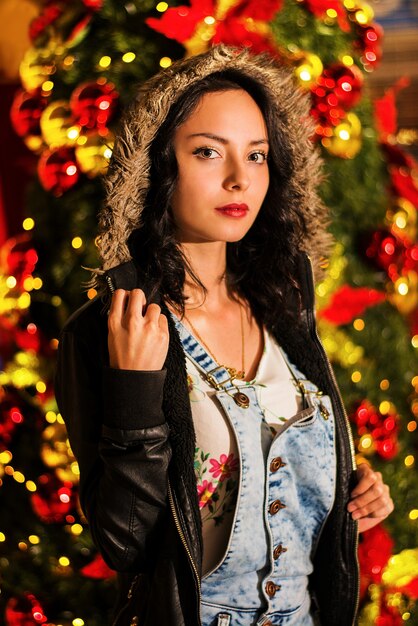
x=206, y=153
x=258, y=157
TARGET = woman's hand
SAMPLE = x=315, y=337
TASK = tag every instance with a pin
x=138, y=334
x=371, y=502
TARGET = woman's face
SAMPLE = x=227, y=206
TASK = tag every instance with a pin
x=223, y=176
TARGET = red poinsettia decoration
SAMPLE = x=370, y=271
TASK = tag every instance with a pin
x=207, y=22
x=348, y=303
x=381, y=427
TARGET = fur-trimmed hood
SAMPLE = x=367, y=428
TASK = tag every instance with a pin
x=128, y=179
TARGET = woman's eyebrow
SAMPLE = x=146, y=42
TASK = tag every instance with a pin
x=224, y=141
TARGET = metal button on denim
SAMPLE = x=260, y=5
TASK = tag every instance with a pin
x=271, y=588
x=276, y=506
x=278, y=550
x=276, y=464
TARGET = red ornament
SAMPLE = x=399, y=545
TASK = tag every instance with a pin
x=58, y=170
x=10, y=417
x=320, y=7
x=374, y=552
x=53, y=499
x=95, y=5
x=26, y=111
x=97, y=569
x=386, y=251
x=386, y=112
x=348, y=303
x=18, y=258
x=24, y=611
x=93, y=104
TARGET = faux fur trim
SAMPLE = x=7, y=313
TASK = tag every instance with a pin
x=128, y=179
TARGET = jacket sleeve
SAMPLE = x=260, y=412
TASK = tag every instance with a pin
x=119, y=436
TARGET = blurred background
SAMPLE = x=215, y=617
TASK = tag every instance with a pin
x=68, y=68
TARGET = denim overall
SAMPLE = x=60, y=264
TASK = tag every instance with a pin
x=286, y=491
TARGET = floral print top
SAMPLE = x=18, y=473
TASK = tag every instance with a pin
x=217, y=463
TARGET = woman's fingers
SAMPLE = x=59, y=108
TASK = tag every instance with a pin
x=371, y=501
x=117, y=305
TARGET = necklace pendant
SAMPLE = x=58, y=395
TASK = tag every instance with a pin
x=241, y=399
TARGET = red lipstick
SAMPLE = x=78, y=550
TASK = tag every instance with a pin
x=233, y=210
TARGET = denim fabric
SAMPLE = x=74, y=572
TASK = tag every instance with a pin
x=284, y=506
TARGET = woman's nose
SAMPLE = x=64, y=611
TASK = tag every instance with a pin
x=236, y=176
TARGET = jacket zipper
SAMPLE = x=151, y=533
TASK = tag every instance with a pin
x=186, y=547
x=128, y=596
x=110, y=283
x=336, y=392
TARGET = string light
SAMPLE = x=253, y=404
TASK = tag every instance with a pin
x=162, y=6
x=105, y=61
x=165, y=62
x=359, y=324
x=28, y=223
x=409, y=460
x=128, y=57
x=77, y=242
x=384, y=384
x=356, y=376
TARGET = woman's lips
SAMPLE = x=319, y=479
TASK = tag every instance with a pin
x=233, y=210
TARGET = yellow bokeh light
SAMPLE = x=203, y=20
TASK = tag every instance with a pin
x=56, y=300
x=209, y=20
x=356, y=376
x=5, y=457
x=23, y=301
x=413, y=514
x=384, y=384
x=64, y=561
x=409, y=460
x=305, y=75
x=384, y=407
x=348, y=60
x=30, y=486
x=11, y=282
x=77, y=242
x=344, y=135
x=68, y=61
x=73, y=132
x=40, y=386
x=28, y=223
x=19, y=477
x=51, y=417
x=331, y=13
x=78, y=621
x=406, y=616
x=54, y=343
x=361, y=17
x=2, y=537
x=77, y=529
x=48, y=85
x=162, y=6
x=34, y=539
x=411, y=426
x=75, y=469
x=60, y=419
x=402, y=287
x=128, y=57
x=165, y=62
x=22, y=545
x=414, y=341
x=365, y=442
x=105, y=61
x=359, y=324
x=92, y=293
x=28, y=283
x=37, y=283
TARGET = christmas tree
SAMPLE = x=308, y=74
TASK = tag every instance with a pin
x=86, y=60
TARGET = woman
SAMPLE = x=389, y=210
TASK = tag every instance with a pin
x=221, y=488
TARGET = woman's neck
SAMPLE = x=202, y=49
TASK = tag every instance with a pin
x=208, y=262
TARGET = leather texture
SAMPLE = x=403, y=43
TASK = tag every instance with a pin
x=132, y=434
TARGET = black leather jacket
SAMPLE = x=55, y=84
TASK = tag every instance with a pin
x=132, y=433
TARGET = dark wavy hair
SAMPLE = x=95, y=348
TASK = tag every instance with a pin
x=261, y=266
